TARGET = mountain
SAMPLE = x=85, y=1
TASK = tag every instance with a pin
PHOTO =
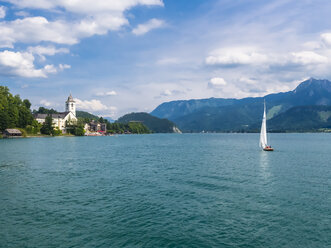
x=301, y=119
x=218, y=114
x=83, y=114
x=155, y=124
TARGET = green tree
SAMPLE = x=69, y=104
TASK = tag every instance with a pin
x=13, y=111
x=47, y=127
x=27, y=103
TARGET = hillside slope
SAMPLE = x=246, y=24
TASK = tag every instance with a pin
x=155, y=124
x=302, y=119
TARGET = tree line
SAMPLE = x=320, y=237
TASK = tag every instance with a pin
x=14, y=112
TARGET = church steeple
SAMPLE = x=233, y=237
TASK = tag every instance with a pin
x=71, y=105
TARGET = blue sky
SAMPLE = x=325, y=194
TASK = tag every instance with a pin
x=120, y=56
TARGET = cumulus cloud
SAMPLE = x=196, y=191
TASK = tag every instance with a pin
x=2, y=12
x=22, y=64
x=148, y=26
x=45, y=103
x=96, y=106
x=217, y=83
x=85, y=6
x=19, y=64
x=92, y=105
x=307, y=57
x=236, y=56
x=89, y=17
x=326, y=38
x=107, y=93
x=41, y=51
x=95, y=17
x=244, y=56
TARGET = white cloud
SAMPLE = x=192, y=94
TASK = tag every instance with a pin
x=96, y=106
x=2, y=12
x=148, y=26
x=92, y=17
x=45, y=103
x=307, y=57
x=41, y=51
x=22, y=64
x=93, y=105
x=107, y=93
x=166, y=93
x=217, y=83
x=19, y=64
x=246, y=80
x=236, y=56
x=64, y=66
x=50, y=69
x=85, y=6
x=245, y=56
x=326, y=38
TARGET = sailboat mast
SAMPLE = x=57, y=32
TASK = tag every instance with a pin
x=267, y=136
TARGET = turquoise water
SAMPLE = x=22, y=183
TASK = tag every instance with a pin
x=192, y=190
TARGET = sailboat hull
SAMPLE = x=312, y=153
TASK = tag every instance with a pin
x=268, y=149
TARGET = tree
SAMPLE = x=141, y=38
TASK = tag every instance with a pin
x=13, y=111
x=47, y=127
x=27, y=103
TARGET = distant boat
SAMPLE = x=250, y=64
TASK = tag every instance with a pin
x=263, y=135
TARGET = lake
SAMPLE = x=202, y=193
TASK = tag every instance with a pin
x=166, y=190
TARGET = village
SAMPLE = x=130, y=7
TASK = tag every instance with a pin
x=49, y=122
x=63, y=122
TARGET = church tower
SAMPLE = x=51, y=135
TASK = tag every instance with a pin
x=71, y=105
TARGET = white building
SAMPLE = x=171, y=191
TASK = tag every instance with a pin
x=60, y=119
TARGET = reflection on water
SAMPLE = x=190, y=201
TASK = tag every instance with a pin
x=264, y=165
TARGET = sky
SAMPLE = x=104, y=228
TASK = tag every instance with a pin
x=122, y=56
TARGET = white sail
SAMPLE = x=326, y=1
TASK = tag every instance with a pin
x=263, y=134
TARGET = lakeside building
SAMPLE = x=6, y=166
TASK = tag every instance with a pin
x=60, y=120
x=95, y=128
x=12, y=133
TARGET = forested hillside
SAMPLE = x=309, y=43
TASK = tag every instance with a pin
x=155, y=124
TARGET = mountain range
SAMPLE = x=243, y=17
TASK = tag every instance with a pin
x=226, y=115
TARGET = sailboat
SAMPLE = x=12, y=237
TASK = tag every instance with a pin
x=263, y=135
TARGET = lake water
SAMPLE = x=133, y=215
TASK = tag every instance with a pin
x=170, y=190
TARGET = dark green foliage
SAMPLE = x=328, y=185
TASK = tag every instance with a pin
x=56, y=132
x=86, y=115
x=302, y=119
x=79, y=131
x=43, y=110
x=27, y=103
x=153, y=123
x=76, y=128
x=34, y=128
x=13, y=111
x=120, y=128
x=47, y=127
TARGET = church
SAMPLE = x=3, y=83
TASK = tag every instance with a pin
x=61, y=119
